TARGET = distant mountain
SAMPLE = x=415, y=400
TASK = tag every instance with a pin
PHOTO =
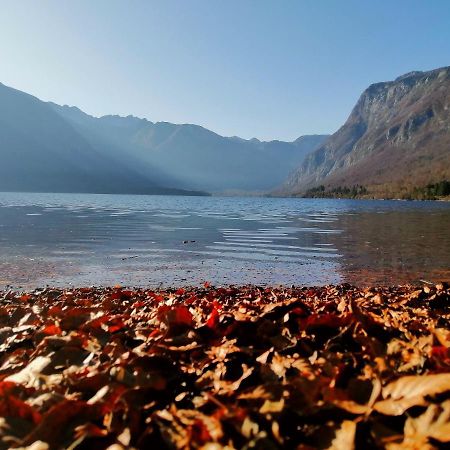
x=191, y=156
x=41, y=151
x=397, y=139
x=50, y=148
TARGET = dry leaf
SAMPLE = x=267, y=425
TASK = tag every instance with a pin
x=411, y=391
x=433, y=423
x=345, y=436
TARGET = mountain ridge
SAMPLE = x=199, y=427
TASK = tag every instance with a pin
x=41, y=152
x=396, y=138
x=51, y=148
x=197, y=157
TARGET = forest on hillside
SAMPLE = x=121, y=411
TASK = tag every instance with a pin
x=432, y=191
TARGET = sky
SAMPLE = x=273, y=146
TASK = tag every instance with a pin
x=251, y=68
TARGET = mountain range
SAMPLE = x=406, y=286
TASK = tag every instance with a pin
x=51, y=148
x=395, y=141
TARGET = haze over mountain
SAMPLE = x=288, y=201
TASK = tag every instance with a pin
x=195, y=157
x=396, y=138
x=40, y=151
x=47, y=147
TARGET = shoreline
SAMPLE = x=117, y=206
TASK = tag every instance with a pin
x=228, y=366
x=242, y=194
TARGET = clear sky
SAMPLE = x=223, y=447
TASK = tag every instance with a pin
x=253, y=68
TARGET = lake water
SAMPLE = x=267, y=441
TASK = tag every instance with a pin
x=79, y=239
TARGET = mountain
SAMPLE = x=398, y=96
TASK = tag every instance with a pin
x=52, y=148
x=395, y=141
x=41, y=151
x=192, y=156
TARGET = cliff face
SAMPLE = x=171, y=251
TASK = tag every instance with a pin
x=396, y=137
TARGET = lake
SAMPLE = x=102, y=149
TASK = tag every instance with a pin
x=81, y=239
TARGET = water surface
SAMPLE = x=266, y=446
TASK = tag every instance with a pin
x=82, y=239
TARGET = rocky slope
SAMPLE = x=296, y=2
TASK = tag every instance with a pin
x=396, y=138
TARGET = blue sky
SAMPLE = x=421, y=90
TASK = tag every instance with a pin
x=267, y=69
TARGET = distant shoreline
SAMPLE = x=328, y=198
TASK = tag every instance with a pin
x=177, y=192
x=226, y=195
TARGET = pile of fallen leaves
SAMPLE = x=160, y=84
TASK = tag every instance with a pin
x=223, y=368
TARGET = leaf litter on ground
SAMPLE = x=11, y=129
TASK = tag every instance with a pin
x=225, y=368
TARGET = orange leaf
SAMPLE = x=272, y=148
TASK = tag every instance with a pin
x=52, y=330
x=213, y=319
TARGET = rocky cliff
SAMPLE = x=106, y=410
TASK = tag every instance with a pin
x=396, y=138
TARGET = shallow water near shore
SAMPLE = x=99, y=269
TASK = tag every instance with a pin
x=86, y=239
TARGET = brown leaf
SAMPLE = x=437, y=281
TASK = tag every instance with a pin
x=433, y=423
x=60, y=421
x=345, y=436
x=409, y=391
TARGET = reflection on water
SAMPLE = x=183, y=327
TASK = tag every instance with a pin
x=59, y=239
x=409, y=245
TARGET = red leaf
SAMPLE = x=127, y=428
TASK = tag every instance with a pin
x=55, y=311
x=96, y=323
x=155, y=332
x=175, y=316
x=441, y=352
x=190, y=300
x=11, y=406
x=52, y=330
x=200, y=432
x=157, y=297
x=327, y=320
x=138, y=304
x=116, y=326
x=213, y=319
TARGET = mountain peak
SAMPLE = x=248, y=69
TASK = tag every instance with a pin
x=413, y=73
x=397, y=137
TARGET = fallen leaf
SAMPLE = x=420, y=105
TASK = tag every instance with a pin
x=409, y=391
